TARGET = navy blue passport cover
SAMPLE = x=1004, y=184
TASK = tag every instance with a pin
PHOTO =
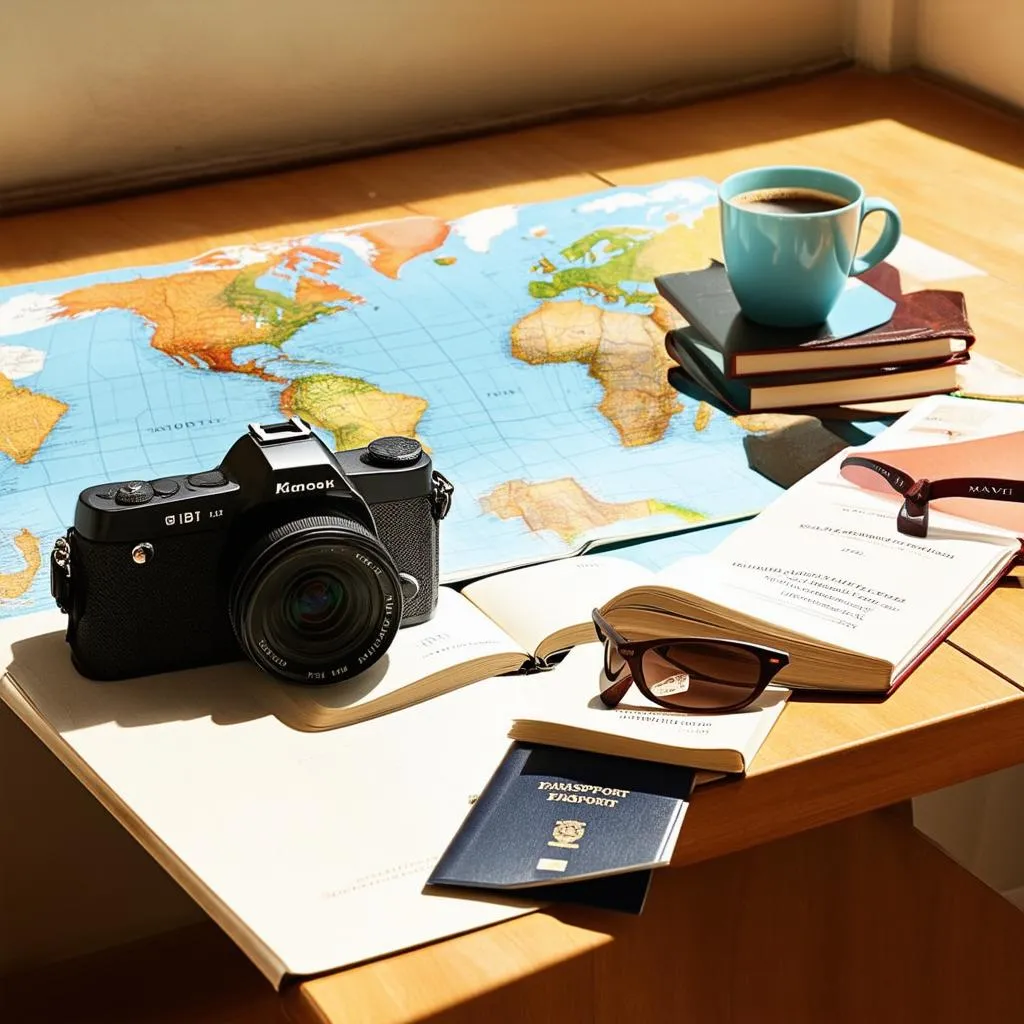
x=626, y=893
x=550, y=816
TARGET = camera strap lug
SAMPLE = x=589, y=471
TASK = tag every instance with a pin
x=441, y=491
x=60, y=572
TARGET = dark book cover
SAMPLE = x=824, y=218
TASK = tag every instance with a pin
x=551, y=817
x=764, y=393
x=873, y=325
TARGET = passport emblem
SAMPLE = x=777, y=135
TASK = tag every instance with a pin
x=566, y=834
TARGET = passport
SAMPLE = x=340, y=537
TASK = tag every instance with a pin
x=550, y=818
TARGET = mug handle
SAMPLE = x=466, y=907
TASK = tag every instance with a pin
x=890, y=234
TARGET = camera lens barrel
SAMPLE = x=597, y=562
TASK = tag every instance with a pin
x=316, y=600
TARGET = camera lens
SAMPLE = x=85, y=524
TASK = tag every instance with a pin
x=317, y=600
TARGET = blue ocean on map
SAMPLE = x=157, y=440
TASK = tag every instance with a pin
x=541, y=466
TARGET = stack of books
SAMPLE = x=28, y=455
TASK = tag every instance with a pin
x=878, y=345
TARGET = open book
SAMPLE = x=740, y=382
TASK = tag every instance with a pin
x=824, y=574
x=564, y=710
x=505, y=623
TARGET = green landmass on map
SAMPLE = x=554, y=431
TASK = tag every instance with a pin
x=200, y=317
x=280, y=315
x=353, y=410
x=614, y=263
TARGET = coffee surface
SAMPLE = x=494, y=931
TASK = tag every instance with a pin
x=789, y=200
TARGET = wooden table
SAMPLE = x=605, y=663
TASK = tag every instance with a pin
x=806, y=894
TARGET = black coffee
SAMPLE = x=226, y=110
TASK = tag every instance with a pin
x=789, y=200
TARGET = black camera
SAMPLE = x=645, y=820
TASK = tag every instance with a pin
x=304, y=560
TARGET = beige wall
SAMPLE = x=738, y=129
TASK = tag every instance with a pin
x=978, y=42
x=110, y=90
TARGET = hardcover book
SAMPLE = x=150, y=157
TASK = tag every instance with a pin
x=874, y=325
x=550, y=815
x=783, y=391
x=824, y=574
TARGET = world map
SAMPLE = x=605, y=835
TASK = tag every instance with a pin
x=522, y=345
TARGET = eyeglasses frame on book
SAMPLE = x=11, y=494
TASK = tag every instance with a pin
x=912, y=519
x=631, y=653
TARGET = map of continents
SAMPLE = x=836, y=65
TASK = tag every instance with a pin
x=522, y=345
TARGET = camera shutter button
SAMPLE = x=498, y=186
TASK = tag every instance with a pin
x=213, y=478
x=166, y=487
x=392, y=451
x=135, y=492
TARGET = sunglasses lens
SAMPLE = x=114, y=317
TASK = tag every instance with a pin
x=613, y=662
x=698, y=675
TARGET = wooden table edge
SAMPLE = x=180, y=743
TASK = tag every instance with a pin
x=731, y=815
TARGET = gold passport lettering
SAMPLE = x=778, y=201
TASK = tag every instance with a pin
x=582, y=787
x=582, y=793
x=580, y=798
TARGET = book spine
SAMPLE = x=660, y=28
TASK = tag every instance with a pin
x=855, y=369
x=952, y=624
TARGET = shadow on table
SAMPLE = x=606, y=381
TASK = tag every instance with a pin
x=41, y=666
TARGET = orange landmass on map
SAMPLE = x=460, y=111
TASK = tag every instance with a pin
x=200, y=317
x=703, y=416
x=568, y=509
x=758, y=422
x=26, y=419
x=14, y=584
x=625, y=352
x=309, y=290
x=323, y=260
x=395, y=242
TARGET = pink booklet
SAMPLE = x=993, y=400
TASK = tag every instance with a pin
x=991, y=468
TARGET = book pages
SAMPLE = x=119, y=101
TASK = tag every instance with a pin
x=568, y=711
x=458, y=645
x=825, y=561
x=532, y=603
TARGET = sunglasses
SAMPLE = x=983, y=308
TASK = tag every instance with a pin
x=686, y=674
x=912, y=518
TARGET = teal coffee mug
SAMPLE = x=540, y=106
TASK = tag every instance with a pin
x=790, y=236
